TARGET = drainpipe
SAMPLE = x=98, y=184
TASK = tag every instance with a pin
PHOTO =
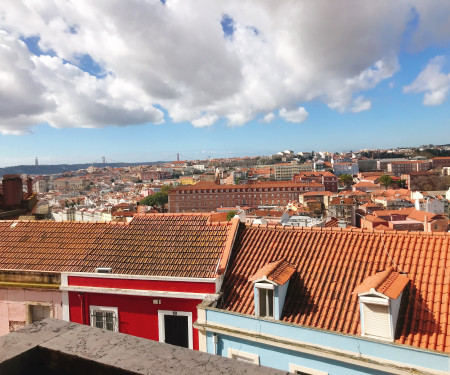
x=215, y=339
x=83, y=315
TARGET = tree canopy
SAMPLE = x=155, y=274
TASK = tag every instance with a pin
x=230, y=215
x=346, y=179
x=157, y=199
x=386, y=180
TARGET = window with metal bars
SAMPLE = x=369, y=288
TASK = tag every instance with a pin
x=104, y=318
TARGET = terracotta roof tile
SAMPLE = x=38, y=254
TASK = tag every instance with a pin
x=279, y=272
x=331, y=262
x=179, y=245
x=388, y=282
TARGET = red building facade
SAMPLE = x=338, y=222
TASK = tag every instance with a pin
x=157, y=308
x=327, y=179
x=207, y=196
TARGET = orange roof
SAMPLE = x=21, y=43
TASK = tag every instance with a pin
x=177, y=245
x=333, y=222
x=259, y=184
x=271, y=213
x=365, y=184
x=331, y=262
x=279, y=272
x=388, y=282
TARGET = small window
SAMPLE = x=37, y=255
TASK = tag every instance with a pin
x=376, y=320
x=39, y=312
x=243, y=356
x=105, y=318
x=266, y=302
x=297, y=369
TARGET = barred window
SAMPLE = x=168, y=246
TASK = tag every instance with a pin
x=105, y=318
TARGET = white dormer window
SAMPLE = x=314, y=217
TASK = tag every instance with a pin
x=270, y=287
x=379, y=302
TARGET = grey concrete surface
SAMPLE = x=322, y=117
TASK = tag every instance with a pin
x=57, y=347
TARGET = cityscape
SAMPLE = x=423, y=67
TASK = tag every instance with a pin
x=224, y=187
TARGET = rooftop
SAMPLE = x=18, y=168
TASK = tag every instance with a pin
x=177, y=245
x=331, y=262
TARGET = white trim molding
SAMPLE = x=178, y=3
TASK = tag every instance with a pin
x=243, y=356
x=137, y=292
x=161, y=330
x=65, y=275
x=65, y=306
x=113, y=310
x=304, y=370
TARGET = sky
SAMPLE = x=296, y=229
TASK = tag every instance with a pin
x=143, y=80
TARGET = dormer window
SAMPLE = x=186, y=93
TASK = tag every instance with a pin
x=270, y=287
x=379, y=302
x=265, y=299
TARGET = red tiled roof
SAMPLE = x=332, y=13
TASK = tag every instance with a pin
x=279, y=272
x=388, y=282
x=271, y=213
x=333, y=222
x=338, y=201
x=259, y=184
x=331, y=262
x=365, y=184
x=178, y=245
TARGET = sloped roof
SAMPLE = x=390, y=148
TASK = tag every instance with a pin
x=331, y=262
x=388, y=282
x=178, y=245
x=279, y=272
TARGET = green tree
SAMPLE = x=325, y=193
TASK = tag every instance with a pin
x=230, y=215
x=386, y=180
x=401, y=183
x=166, y=188
x=346, y=180
x=157, y=199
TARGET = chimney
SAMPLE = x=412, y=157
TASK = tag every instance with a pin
x=12, y=190
x=29, y=186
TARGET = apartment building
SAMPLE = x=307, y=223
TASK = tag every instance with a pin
x=327, y=179
x=206, y=196
x=401, y=167
x=286, y=171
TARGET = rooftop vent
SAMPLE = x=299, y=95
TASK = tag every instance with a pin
x=103, y=270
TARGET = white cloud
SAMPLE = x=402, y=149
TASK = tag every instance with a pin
x=296, y=116
x=432, y=82
x=203, y=121
x=175, y=56
x=359, y=105
x=268, y=118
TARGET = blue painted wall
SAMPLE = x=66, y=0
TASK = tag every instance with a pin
x=280, y=358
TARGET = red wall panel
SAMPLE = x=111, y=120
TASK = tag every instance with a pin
x=138, y=316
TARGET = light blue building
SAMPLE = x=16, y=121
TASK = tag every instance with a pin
x=333, y=301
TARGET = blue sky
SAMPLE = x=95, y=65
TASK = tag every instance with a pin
x=249, y=80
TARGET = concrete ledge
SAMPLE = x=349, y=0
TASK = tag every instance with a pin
x=54, y=346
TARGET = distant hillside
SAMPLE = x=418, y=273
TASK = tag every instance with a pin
x=60, y=168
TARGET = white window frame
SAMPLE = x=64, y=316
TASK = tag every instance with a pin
x=265, y=286
x=247, y=357
x=294, y=367
x=162, y=336
x=114, y=310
